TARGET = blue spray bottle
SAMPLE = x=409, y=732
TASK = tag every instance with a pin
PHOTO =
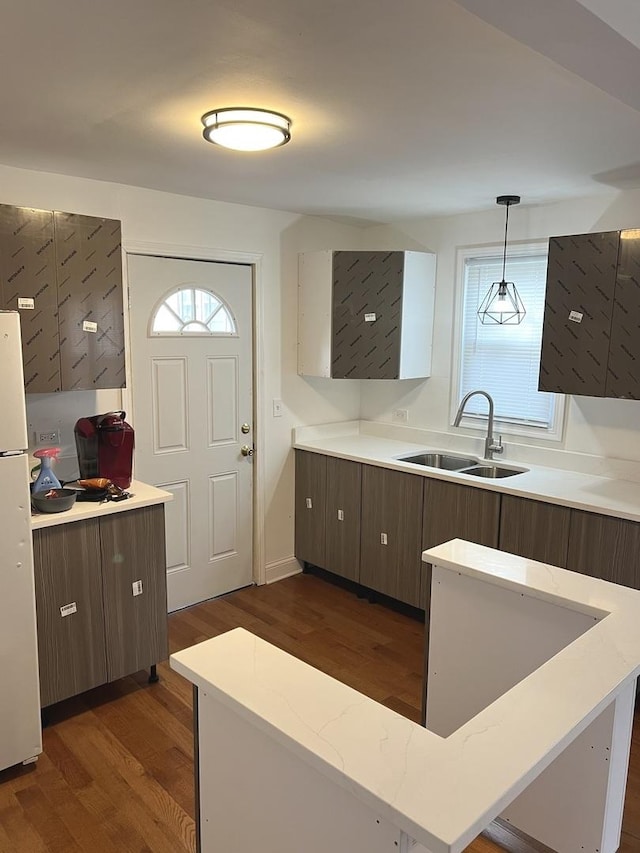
x=46, y=479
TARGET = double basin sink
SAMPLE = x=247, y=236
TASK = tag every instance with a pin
x=461, y=465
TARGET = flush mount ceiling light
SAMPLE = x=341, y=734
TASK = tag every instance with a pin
x=502, y=304
x=246, y=128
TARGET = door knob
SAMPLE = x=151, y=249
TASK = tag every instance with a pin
x=244, y=429
x=246, y=450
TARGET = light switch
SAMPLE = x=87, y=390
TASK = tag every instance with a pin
x=340, y=515
x=308, y=503
x=383, y=538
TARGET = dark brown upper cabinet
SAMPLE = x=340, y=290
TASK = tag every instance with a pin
x=90, y=312
x=28, y=285
x=623, y=369
x=63, y=273
x=591, y=333
x=365, y=315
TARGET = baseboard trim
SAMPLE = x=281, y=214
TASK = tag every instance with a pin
x=281, y=569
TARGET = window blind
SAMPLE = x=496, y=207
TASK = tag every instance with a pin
x=505, y=360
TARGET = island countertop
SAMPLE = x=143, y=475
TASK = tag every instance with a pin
x=441, y=791
x=142, y=495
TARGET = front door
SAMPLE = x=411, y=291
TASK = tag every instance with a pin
x=191, y=363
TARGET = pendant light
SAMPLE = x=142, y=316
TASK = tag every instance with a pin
x=502, y=304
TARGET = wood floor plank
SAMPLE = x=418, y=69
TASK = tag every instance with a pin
x=17, y=826
x=46, y=821
x=116, y=772
x=140, y=800
x=6, y=844
x=75, y=817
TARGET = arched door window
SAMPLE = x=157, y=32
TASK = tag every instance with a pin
x=192, y=311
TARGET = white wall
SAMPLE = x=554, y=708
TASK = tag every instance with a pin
x=608, y=428
x=155, y=217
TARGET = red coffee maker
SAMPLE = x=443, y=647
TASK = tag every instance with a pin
x=105, y=447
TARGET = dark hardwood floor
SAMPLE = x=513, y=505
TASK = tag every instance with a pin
x=116, y=772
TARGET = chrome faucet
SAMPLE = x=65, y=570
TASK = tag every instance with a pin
x=490, y=445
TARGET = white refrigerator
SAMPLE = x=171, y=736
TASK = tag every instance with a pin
x=20, y=733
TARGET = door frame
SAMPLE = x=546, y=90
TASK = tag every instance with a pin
x=254, y=260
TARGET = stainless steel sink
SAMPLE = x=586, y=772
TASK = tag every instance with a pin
x=440, y=460
x=493, y=472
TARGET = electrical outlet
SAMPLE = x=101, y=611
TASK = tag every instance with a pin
x=49, y=437
x=400, y=416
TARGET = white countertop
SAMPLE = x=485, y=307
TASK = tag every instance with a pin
x=441, y=791
x=141, y=495
x=619, y=498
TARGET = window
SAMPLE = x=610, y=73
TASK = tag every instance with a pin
x=192, y=311
x=505, y=360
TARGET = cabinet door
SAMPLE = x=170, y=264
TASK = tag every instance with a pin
x=623, y=370
x=68, y=584
x=535, y=530
x=604, y=547
x=135, y=589
x=392, y=533
x=89, y=272
x=581, y=277
x=28, y=278
x=342, y=542
x=310, y=507
x=452, y=511
x=367, y=314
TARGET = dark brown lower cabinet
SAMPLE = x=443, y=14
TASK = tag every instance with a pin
x=101, y=600
x=452, y=511
x=71, y=641
x=391, y=534
x=605, y=547
x=135, y=589
x=310, y=507
x=535, y=530
x=327, y=504
x=342, y=544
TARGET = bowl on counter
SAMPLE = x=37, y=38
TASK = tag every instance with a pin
x=53, y=500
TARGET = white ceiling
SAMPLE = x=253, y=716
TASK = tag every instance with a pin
x=399, y=110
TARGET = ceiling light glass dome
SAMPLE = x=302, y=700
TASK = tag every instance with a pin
x=246, y=128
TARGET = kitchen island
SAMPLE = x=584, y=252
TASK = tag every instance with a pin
x=290, y=759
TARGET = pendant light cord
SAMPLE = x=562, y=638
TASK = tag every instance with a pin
x=504, y=254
